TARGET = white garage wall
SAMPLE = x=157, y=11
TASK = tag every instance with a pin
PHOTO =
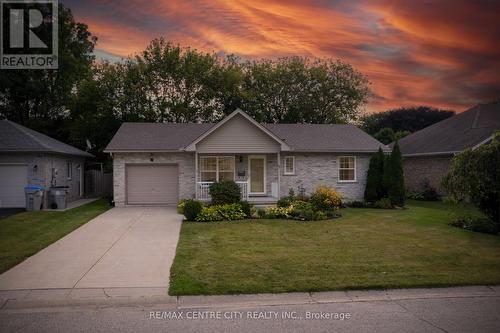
x=42, y=174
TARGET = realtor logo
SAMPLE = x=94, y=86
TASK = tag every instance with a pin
x=29, y=34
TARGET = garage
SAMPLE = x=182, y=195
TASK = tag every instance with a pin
x=13, y=179
x=152, y=184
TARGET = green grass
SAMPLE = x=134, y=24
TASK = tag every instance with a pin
x=365, y=248
x=24, y=234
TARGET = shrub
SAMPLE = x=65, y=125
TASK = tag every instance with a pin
x=302, y=210
x=483, y=225
x=357, y=204
x=261, y=212
x=246, y=207
x=475, y=174
x=325, y=198
x=180, y=206
x=225, y=192
x=227, y=212
x=321, y=216
x=277, y=212
x=192, y=209
x=384, y=203
x=284, y=202
x=428, y=193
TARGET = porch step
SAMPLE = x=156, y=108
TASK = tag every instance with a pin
x=262, y=201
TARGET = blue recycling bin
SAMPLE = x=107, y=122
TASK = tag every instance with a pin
x=34, y=197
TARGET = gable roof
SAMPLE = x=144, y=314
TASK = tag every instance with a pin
x=152, y=137
x=325, y=137
x=156, y=136
x=17, y=138
x=192, y=145
x=452, y=135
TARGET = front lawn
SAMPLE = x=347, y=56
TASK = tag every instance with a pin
x=24, y=234
x=365, y=248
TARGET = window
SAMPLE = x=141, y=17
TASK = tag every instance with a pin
x=347, y=169
x=289, y=165
x=69, y=170
x=216, y=168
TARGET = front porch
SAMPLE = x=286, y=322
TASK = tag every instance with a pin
x=257, y=175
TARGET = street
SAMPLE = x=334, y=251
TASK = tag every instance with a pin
x=446, y=310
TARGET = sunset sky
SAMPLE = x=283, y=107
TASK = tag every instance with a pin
x=444, y=54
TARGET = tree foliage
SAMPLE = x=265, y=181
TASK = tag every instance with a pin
x=404, y=119
x=475, y=174
x=387, y=135
x=393, y=179
x=374, y=189
x=40, y=99
x=301, y=90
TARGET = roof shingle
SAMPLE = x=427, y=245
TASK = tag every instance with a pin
x=455, y=134
x=300, y=137
x=17, y=138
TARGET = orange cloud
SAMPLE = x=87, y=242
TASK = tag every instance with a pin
x=444, y=55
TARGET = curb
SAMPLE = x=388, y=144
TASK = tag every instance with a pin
x=156, y=297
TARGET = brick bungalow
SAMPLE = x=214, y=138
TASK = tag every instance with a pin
x=427, y=154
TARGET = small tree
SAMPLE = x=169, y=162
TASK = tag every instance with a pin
x=475, y=174
x=393, y=177
x=385, y=135
x=374, y=185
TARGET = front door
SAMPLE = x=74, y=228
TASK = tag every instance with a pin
x=257, y=174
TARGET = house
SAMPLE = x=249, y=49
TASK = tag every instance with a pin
x=427, y=154
x=28, y=157
x=159, y=163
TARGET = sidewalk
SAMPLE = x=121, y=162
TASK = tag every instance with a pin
x=36, y=298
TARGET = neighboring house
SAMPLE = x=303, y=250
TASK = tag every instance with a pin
x=427, y=154
x=28, y=157
x=159, y=163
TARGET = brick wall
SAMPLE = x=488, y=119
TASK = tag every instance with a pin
x=316, y=169
x=418, y=169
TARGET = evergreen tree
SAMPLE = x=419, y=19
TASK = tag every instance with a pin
x=374, y=185
x=393, y=177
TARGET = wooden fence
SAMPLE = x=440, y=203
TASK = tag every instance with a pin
x=98, y=184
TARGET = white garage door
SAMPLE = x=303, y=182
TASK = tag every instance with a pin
x=152, y=184
x=13, y=179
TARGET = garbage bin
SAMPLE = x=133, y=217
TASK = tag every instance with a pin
x=58, y=197
x=34, y=196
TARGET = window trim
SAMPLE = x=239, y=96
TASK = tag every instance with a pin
x=216, y=166
x=285, y=172
x=69, y=170
x=354, y=168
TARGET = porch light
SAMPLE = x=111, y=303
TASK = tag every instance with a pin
x=151, y=158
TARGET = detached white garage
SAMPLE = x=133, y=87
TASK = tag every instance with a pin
x=152, y=184
x=13, y=179
x=28, y=157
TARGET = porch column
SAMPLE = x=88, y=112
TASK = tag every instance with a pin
x=279, y=175
x=196, y=174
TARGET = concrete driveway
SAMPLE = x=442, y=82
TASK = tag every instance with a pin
x=130, y=247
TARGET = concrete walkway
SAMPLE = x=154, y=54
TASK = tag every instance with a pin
x=131, y=247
